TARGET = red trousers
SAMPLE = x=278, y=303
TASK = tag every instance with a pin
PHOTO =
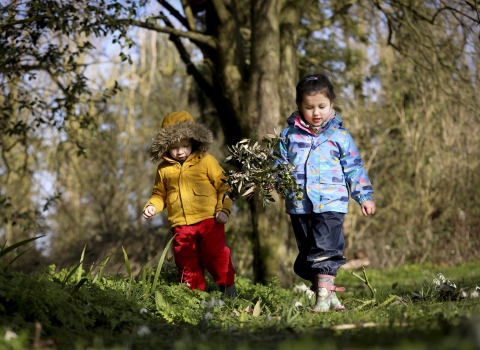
x=200, y=246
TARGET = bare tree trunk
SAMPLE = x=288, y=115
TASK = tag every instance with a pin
x=271, y=99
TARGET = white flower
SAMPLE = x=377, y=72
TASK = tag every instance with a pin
x=310, y=293
x=9, y=335
x=268, y=318
x=143, y=310
x=219, y=302
x=211, y=303
x=474, y=294
x=298, y=304
x=208, y=316
x=203, y=303
x=444, y=284
x=463, y=294
x=300, y=288
x=143, y=330
x=441, y=277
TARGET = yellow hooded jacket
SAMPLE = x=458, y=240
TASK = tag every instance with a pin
x=194, y=191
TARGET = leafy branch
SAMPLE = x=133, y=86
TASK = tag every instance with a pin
x=261, y=169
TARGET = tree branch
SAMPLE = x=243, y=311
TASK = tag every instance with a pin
x=191, y=68
x=221, y=10
x=175, y=14
x=475, y=8
x=59, y=84
x=22, y=21
x=189, y=14
x=194, y=36
x=438, y=11
x=342, y=11
x=477, y=20
x=40, y=66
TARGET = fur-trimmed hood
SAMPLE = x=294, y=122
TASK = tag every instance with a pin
x=177, y=126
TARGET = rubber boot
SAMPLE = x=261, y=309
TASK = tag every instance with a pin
x=326, y=298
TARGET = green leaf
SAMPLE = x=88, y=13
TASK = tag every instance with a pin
x=257, y=309
x=127, y=263
x=80, y=268
x=160, y=263
x=249, y=191
x=160, y=302
x=4, y=252
x=78, y=285
x=98, y=276
x=15, y=258
x=67, y=277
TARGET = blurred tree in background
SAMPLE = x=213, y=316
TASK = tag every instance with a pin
x=73, y=144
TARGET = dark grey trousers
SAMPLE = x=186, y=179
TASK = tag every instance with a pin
x=320, y=243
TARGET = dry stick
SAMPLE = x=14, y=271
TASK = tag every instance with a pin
x=365, y=280
x=365, y=303
x=346, y=326
x=372, y=291
x=388, y=301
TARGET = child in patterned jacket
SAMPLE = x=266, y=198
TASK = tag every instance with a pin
x=327, y=166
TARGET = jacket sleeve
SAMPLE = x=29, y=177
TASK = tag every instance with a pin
x=354, y=171
x=281, y=149
x=217, y=178
x=159, y=193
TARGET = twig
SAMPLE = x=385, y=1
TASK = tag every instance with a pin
x=365, y=280
x=401, y=300
x=373, y=300
x=388, y=301
x=365, y=303
x=346, y=326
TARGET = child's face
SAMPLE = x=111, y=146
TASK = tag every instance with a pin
x=181, y=150
x=315, y=109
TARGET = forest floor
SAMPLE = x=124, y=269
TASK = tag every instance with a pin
x=409, y=307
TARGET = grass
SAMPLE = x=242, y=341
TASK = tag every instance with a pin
x=111, y=312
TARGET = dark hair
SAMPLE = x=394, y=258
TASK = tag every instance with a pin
x=313, y=84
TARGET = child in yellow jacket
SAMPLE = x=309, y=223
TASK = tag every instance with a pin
x=189, y=183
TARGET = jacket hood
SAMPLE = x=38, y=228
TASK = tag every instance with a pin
x=177, y=126
x=337, y=119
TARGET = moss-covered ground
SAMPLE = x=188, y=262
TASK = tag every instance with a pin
x=415, y=308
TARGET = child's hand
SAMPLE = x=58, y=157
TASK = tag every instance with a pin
x=149, y=212
x=221, y=217
x=368, y=207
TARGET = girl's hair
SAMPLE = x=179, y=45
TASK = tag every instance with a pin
x=313, y=84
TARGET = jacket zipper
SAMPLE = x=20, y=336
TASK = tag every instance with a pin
x=180, y=193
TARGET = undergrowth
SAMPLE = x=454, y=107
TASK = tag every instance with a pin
x=74, y=309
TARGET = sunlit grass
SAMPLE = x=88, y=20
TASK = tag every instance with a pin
x=81, y=308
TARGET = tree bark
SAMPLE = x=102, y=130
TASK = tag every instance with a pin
x=271, y=99
x=262, y=114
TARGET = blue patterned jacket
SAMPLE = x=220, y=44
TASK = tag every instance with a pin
x=327, y=166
